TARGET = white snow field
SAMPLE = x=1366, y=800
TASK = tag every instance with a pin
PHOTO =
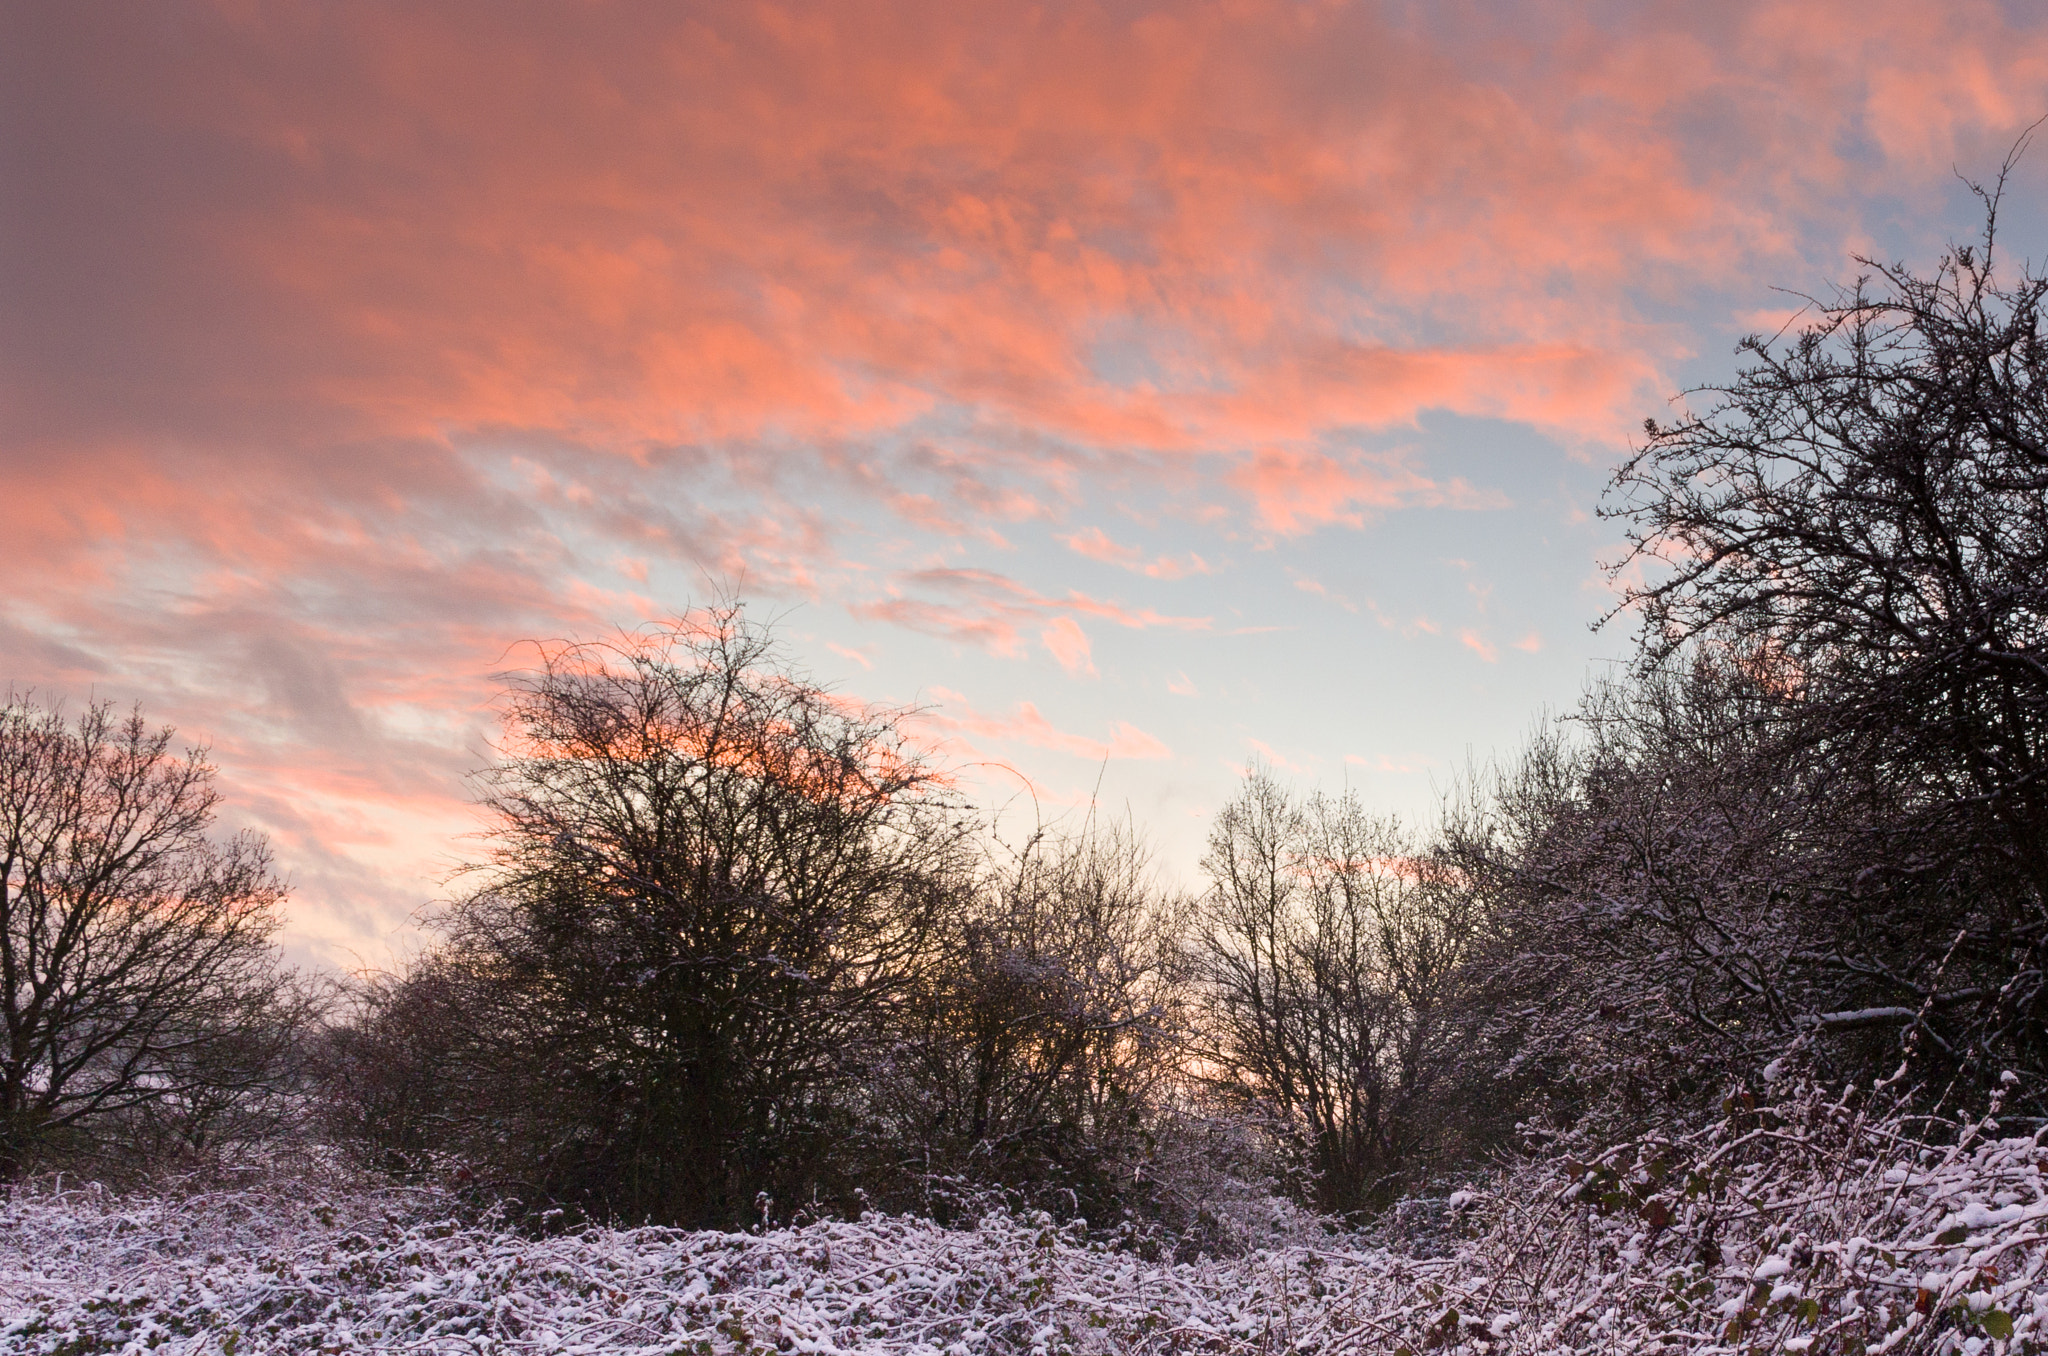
x=1797, y=1229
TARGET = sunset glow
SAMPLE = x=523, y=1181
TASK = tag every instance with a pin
x=1135, y=390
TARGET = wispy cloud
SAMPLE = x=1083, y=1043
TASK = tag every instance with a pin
x=1095, y=544
x=990, y=610
x=1319, y=590
x=1272, y=757
x=1025, y=725
x=1066, y=642
x=1297, y=492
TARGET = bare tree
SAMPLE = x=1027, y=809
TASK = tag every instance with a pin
x=1331, y=949
x=384, y=1067
x=1866, y=507
x=135, y=961
x=1045, y=1027
x=709, y=880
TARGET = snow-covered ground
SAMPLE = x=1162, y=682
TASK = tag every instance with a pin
x=1804, y=1229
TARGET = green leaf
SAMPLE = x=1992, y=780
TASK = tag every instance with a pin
x=1996, y=1323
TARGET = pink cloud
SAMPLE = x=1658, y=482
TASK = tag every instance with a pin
x=1478, y=645
x=1268, y=754
x=1096, y=545
x=987, y=609
x=1318, y=589
x=993, y=631
x=1297, y=492
x=347, y=345
x=1131, y=742
x=1025, y=725
x=1066, y=642
x=1403, y=766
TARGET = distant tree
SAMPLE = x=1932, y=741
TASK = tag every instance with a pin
x=384, y=1067
x=710, y=881
x=136, y=970
x=1043, y=1030
x=1330, y=949
x=1864, y=510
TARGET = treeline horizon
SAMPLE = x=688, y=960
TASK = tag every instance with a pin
x=737, y=950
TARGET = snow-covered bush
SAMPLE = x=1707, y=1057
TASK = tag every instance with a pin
x=1804, y=1225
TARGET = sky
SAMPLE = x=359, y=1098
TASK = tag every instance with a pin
x=1134, y=390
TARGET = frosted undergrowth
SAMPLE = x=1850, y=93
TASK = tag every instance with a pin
x=1797, y=1228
